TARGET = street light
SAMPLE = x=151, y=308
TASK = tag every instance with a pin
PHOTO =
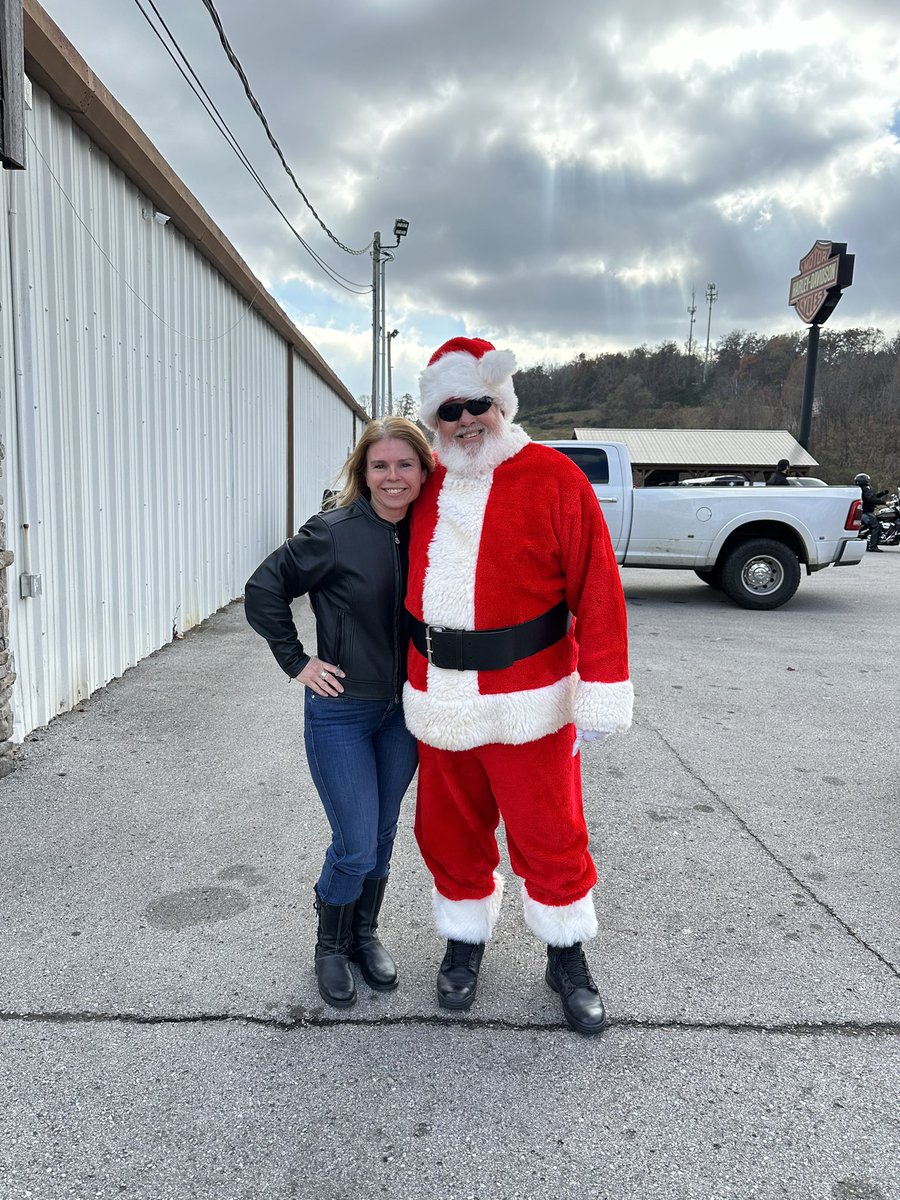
x=390, y=381
x=380, y=346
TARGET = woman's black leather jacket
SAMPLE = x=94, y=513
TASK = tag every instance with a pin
x=353, y=565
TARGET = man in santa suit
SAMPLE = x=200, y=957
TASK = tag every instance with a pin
x=507, y=540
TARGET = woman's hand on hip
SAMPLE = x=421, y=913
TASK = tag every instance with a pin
x=321, y=677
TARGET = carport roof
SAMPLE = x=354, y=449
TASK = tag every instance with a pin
x=704, y=447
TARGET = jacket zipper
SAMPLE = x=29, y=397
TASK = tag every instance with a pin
x=398, y=579
x=339, y=637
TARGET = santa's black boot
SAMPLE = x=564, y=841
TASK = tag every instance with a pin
x=457, y=980
x=333, y=974
x=568, y=974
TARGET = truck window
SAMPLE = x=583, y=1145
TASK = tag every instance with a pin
x=592, y=460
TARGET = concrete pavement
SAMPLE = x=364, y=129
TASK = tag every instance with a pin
x=161, y=1035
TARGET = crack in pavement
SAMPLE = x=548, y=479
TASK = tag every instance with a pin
x=805, y=887
x=315, y=1018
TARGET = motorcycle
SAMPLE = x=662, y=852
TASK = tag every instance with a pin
x=888, y=517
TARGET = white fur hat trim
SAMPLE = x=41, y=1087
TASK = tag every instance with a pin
x=460, y=375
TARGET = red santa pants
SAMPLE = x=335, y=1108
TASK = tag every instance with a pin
x=535, y=788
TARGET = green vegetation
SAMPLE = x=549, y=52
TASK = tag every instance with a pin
x=752, y=382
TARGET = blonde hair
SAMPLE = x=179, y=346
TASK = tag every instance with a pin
x=353, y=472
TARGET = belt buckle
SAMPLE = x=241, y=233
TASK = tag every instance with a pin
x=429, y=649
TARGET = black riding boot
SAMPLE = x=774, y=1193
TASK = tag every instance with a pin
x=333, y=974
x=378, y=968
x=457, y=980
x=568, y=974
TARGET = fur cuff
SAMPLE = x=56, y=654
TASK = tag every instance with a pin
x=461, y=376
x=562, y=925
x=605, y=707
x=468, y=920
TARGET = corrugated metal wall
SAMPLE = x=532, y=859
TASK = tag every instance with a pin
x=325, y=432
x=7, y=360
x=146, y=471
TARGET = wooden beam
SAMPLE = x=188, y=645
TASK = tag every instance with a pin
x=12, y=86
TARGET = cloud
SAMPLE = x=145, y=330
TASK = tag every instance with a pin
x=570, y=171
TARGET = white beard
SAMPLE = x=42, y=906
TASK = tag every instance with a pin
x=493, y=449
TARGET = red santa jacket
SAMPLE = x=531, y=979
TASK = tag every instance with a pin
x=500, y=547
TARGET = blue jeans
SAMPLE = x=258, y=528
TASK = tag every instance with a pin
x=362, y=759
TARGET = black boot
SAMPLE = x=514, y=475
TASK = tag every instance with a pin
x=378, y=968
x=335, y=979
x=457, y=980
x=568, y=974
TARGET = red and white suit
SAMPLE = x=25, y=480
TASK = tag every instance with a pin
x=490, y=549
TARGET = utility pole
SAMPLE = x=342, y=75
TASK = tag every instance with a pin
x=380, y=349
x=692, y=308
x=390, y=381
x=376, y=316
x=386, y=257
x=711, y=297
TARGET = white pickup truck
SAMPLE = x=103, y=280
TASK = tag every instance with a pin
x=750, y=542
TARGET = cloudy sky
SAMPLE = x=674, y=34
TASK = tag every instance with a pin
x=571, y=171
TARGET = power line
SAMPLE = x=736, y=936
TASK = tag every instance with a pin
x=254, y=103
x=219, y=121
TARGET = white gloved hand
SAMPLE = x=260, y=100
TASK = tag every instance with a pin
x=588, y=735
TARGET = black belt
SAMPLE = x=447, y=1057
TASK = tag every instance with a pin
x=489, y=649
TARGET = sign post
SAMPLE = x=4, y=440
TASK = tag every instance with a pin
x=824, y=272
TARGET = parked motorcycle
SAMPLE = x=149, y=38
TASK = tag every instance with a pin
x=888, y=517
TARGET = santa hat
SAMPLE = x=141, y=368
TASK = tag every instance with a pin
x=466, y=369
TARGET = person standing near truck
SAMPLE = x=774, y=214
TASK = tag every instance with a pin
x=779, y=477
x=869, y=499
x=506, y=540
x=351, y=561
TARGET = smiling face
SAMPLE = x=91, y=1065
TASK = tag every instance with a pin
x=471, y=432
x=394, y=477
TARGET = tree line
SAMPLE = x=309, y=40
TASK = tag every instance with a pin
x=750, y=382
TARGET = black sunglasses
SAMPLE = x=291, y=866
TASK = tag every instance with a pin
x=453, y=410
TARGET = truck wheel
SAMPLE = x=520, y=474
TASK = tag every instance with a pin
x=760, y=573
x=712, y=577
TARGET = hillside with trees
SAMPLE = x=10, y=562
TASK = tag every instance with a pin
x=752, y=382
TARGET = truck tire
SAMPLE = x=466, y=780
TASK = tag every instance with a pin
x=760, y=573
x=712, y=576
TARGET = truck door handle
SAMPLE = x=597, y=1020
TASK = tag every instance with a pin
x=608, y=499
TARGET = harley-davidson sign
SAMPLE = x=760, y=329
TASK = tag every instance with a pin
x=824, y=271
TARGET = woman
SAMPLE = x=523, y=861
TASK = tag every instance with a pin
x=352, y=562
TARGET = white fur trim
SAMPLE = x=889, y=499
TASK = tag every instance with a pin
x=604, y=707
x=461, y=375
x=453, y=715
x=502, y=443
x=562, y=925
x=495, y=367
x=448, y=590
x=468, y=920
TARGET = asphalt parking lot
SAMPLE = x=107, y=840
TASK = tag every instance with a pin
x=161, y=1035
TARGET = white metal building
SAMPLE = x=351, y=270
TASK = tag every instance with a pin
x=164, y=423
